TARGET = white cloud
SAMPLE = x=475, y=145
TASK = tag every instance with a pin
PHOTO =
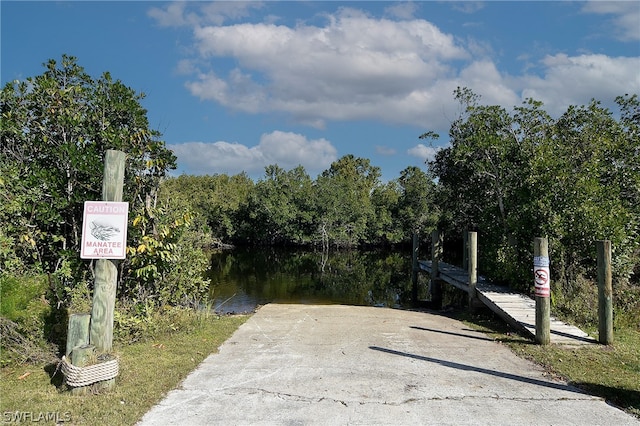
x=575, y=80
x=171, y=16
x=217, y=12
x=238, y=91
x=423, y=152
x=354, y=67
x=175, y=14
x=286, y=149
x=186, y=67
x=385, y=150
x=484, y=78
x=402, y=10
x=402, y=71
x=289, y=150
x=626, y=16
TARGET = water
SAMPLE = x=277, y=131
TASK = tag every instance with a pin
x=243, y=279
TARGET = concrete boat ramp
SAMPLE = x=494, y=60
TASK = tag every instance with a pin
x=349, y=365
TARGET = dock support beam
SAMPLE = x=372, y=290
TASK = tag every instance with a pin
x=436, y=257
x=605, y=293
x=472, y=269
x=465, y=250
x=542, y=290
x=414, y=269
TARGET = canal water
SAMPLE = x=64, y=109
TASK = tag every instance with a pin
x=242, y=279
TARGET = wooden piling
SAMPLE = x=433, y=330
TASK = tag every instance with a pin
x=465, y=250
x=414, y=269
x=82, y=356
x=605, y=293
x=77, y=331
x=472, y=265
x=113, y=180
x=106, y=270
x=104, y=300
x=542, y=290
x=436, y=257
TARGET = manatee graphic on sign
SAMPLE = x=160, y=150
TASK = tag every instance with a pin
x=104, y=230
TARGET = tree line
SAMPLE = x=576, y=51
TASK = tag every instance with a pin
x=511, y=175
x=514, y=175
x=345, y=206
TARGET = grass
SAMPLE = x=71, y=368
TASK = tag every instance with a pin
x=611, y=372
x=148, y=370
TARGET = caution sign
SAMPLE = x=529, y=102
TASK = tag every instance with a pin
x=104, y=230
x=541, y=276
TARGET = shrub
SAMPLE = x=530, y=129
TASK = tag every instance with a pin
x=26, y=320
x=17, y=291
x=143, y=321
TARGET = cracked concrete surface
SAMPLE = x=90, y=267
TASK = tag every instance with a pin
x=339, y=365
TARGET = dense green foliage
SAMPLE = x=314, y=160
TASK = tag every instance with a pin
x=510, y=175
x=215, y=200
x=55, y=130
x=345, y=206
x=575, y=179
x=26, y=323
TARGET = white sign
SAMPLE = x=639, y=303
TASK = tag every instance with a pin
x=104, y=230
x=540, y=261
x=541, y=277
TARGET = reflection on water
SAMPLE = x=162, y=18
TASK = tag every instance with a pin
x=245, y=278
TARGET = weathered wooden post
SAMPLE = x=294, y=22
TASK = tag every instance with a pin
x=414, y=269
x=472, y=265
x=605, y=293
x=542, y=289
x=77, y=332
x=77, y=346
x=436, y=257
x=82, y=356
x=106, y=270
x=465, y=250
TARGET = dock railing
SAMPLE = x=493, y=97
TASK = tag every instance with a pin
x=529, y=315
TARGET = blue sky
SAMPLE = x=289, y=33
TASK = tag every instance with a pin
x=235, y=86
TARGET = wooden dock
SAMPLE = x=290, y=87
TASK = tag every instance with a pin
x=516, y=309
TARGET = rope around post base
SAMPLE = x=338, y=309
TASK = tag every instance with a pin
x=85, y=376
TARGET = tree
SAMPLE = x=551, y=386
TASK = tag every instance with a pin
x=585, y=173
x=214, y=199
x=483, y=182
x=277, y=210
x=516, y=175
x=385, y=227
x=55, y=130
x=417, y=211
x=344, y=199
